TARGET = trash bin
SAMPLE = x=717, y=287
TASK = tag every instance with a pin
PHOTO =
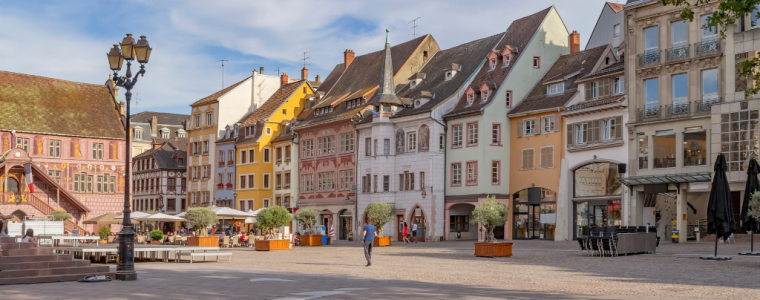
x=674, y=236
x=324, y=240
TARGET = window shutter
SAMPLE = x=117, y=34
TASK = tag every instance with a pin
x=525, y=159
x=519, y=128
x=588, y=90
x=550, y=157
x=553, y=119
x=619, y=127
x=569, y=133
x=531, y=158
x=596, y=131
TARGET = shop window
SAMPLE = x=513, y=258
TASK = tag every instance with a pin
x=664, y=149
x=739, y=138
x=597, y=179
x=643, y=152
x=695, y=148
x=459, y=223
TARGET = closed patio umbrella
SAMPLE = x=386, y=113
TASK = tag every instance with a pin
x=720, y=218
x=749, y=223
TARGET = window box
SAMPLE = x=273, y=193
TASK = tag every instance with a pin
x=229, y=185
x=221, y=164
x=230, y=163
x=220, y=186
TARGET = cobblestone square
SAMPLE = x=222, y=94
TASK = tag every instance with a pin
x=446, y=270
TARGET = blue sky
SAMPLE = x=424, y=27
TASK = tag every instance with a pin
x=69, y=39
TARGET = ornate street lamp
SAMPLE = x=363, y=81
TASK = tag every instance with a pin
x=125, y=270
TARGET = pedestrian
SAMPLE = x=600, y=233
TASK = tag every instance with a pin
x=213, y=230
x=406, y=233
x=369, y=238
x=75, y=232
x=3, y=225
x=414, y=232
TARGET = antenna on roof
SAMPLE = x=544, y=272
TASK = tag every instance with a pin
x=305, y=57
x=414, y=27
x=223, y=60
x=278, y=71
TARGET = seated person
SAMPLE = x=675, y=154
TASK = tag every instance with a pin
x=29, y=238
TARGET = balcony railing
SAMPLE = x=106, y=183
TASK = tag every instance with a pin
x=676, y=110
x=678, y=53
x=648, y=59
x=708, y=47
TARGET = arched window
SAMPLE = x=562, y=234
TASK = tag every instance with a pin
x=400, y=141
x=597, y=179
x=11, y=185
x=423, y=138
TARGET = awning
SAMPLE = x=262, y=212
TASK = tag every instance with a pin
x=667, y=178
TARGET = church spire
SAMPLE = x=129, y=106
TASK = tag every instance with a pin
x=387, y=91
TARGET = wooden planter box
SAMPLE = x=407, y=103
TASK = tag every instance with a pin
x=155, y=242
x=382, y=241
x=102, y=241
x=493, y=249
x=311, y=240
x=205, y=241
x=270, y=245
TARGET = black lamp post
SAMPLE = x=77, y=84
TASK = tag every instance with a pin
x=130, y=50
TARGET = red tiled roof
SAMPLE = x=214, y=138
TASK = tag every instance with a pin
x=517, y=35
x=215, y=96
x=617, y=7
x=56, y=106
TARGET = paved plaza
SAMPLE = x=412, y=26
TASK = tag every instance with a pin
x=446, y=270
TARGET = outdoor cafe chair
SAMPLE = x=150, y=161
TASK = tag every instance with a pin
x=171, y=240
x=236, y=241
x=140, y=239
x=111, y=239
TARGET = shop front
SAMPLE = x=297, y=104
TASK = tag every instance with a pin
x=535, y=214
x=597, y=197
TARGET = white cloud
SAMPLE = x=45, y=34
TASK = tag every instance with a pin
x=47, y=41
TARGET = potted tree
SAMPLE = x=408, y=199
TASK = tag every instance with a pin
x=378, y=214
x=491, y=214
x=272, y=218
x=61, y=215
x=156, y=237
x=308, y=216
x=202, y=217
x=103, y=232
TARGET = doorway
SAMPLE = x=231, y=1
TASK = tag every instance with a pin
x=535, y=212
x=421, y=228
x=400, y=222
x=345, y=224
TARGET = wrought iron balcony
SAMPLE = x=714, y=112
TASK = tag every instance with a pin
x=678, y=53
x=708, y=47
x=649, y=58
x=676, y=110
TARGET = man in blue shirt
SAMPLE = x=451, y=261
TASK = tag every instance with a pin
x=369, y=238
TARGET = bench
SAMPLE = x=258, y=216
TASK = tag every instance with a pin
x=205, y=254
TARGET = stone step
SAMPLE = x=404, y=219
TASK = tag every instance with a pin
x=21, y=252
x=44, y=264
x=7, y=239
x=54, y=271
x=53, y=278
x=7, y=246
x=34, y=258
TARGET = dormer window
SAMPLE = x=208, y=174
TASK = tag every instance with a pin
x=484, y=96
x=555, y=89
x=506, y=59
x=181, y=133
x=493, y=63
x=470, y=98
x=413, y=84
x=448, y=75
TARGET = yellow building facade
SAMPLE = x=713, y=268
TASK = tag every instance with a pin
x=255, y=154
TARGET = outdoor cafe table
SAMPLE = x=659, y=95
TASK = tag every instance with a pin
x=150, y=250
x=58, y=238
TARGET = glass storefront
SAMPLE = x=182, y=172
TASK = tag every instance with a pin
x=596, y=213
x=596, y=180
x=535, y=211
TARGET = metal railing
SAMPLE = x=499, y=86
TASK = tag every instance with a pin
x=649, y=58
x=592, y=104
x=678, y=53
x=676, y=110
x=708, y=47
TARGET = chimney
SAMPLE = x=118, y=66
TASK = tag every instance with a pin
x=154, y=126
x=348, y=57
x=284, y=79
x=575, y=41
x=304, y=73
x=318, y=79
x=261, y=70
x=121, y=107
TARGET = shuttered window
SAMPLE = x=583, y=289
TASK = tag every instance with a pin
x=547, y=157
x=595, y=131
x=528, y=158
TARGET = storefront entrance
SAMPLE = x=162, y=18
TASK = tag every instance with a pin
x=419, y=219
x=345, y=224
x=596, y=213
x=535, y=212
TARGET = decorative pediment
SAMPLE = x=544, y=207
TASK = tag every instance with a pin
x=678, y=68
x=650, y=72
x=469, y=90
x=508, y=50
x=707, y=63
x=485, y=86
x=493, y=55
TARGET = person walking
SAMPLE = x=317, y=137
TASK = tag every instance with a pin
x=369, y=238
x=406, y=233
x=414, y=232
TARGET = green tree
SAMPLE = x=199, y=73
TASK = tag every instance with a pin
x=729, y=11
x=753, y=209
x=104, y=231
x=307, y=216
x=272, y=218
x=61, y=215
x=490, y=214
x=157, y=235
x=379, y=213
x=201, y=217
